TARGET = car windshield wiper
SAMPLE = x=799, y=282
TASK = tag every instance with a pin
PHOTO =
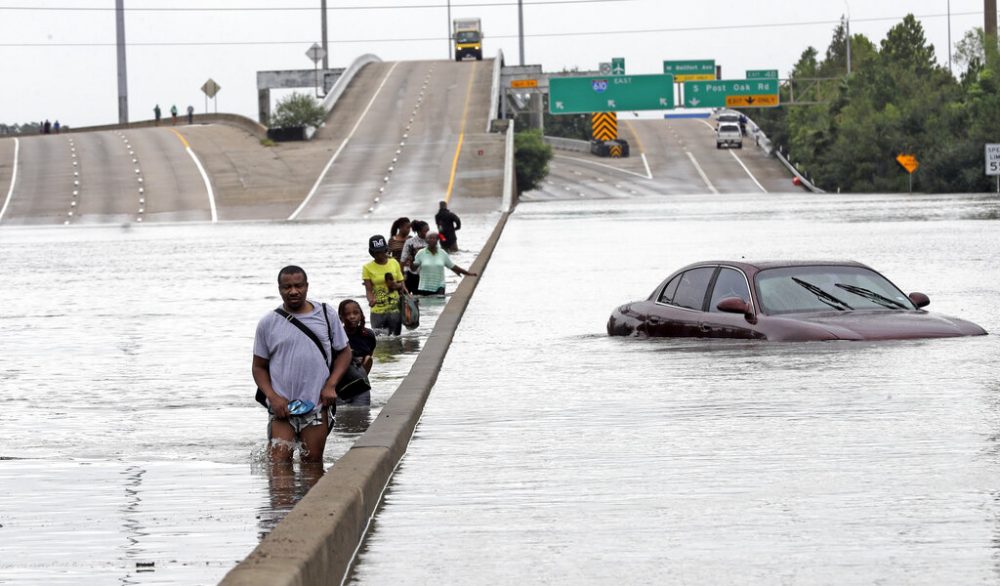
x=822, y=295
x=872, y=296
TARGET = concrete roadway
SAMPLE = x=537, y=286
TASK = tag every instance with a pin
x=96, y=177
x=681, y=158
x=396, y=132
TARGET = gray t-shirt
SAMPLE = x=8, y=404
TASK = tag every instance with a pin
x=295, y=363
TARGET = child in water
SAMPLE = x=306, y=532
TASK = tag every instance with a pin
x=361, y=339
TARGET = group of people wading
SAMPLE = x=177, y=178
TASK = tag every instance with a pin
x=298, y=373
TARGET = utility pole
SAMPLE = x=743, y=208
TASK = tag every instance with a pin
x=449, y=30
x=122, y=74
x=326, y=50
x=848, y=45
x=990, y=24
x=949, y=36
x=520, y=27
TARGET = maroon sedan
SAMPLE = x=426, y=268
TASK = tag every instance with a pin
x=784, y=301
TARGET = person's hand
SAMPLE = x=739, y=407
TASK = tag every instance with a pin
x=471, y=274
x=279, y=406
x=367, y=363
x=328, y=396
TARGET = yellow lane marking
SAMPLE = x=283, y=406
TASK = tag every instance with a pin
x=461, y=134
x=635, y=135
x=183, y=140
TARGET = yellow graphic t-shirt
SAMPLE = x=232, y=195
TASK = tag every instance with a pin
x=385, y=301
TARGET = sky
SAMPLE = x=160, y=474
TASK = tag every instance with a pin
x=58, y=59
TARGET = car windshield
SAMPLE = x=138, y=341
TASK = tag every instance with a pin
x=826, y=288
x=467, y=37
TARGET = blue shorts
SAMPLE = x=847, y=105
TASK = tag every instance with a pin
x=300, y=422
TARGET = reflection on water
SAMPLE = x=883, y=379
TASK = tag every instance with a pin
x=132, y=449
x=551, y=453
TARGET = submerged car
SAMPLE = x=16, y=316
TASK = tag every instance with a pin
x=784, y=301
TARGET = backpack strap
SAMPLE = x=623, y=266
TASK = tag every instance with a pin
x=305, y=329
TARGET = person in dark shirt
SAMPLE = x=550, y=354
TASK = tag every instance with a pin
x=448, y=223
x=361, y=339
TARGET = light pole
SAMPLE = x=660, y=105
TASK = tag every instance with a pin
x=949, y=36
x=448, y=23
x=847, y=22
x=520, y=27
x=326, y=49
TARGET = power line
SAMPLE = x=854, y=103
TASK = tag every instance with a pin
x=299, y=8
x=511, y=36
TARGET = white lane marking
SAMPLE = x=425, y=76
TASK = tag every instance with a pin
x=329, y=164
x=208, y=185
x=740, y=161
x=585, y=161
x=649, y=174
x=13, y=179
x=702, y=173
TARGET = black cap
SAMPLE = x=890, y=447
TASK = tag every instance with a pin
x=376, y=244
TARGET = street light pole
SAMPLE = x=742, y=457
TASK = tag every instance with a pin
x=326, y=50
x=520, y=27
x=448, y=36
x=847, y=22
x=949, y=36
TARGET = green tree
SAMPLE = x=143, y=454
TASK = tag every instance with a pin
x=531, y=159
x=297, y=110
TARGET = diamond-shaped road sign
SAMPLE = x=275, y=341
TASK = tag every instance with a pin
x=210, y=88
x=316, y=53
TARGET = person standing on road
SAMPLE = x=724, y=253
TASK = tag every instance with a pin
x=400, y=231
x=289, y=366
x=410, y=249
x=383, y=279
x=173, y=114
x=156, y=114
x=448, y=223
x=432, y=262
x=190, y=114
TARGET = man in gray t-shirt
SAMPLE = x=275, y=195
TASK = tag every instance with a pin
x=288, y=366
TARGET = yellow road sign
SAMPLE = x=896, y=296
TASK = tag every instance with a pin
x=909, y=162
x=523, y=83
x=694, y=77
x=604, y=125
x=751, y=101
x=615, y=151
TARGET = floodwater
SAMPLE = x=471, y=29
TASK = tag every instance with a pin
x=550, y=453
x=131, y=449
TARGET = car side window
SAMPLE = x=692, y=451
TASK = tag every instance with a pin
x=667, y=295
x=729, y=283
x=692, y=288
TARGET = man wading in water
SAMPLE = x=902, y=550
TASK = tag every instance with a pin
x=288, y=366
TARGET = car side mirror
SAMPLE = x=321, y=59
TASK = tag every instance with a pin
x=919, y=299
x=737, y=305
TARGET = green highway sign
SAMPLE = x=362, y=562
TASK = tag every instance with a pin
x=690, y=70
x=732, y=93
x=618, y=66
x=610, y=93
x=762, y=74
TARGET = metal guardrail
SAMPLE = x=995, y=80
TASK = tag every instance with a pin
x=764, y=143
x=567, y=144
x=495, y=91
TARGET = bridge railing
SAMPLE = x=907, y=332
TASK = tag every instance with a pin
x=567, y=144
x=495, y=91
x=344, y=80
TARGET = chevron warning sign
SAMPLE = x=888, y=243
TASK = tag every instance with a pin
x=604, y=125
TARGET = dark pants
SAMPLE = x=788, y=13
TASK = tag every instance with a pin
x=412, y=281
x=390, y=322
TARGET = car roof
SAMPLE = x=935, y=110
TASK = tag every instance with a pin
x=760, y=265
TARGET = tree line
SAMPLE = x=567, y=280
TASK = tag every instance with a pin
x=896, y=100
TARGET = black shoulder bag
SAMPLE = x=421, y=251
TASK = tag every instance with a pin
x=354, y=380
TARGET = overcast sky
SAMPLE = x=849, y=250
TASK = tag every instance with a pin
x=60, y=64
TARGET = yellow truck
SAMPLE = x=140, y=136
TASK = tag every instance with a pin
x=468, y=36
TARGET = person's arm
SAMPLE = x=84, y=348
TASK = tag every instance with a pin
x=460, y=271
x=458, y=221
x=370, y=292
x=329, y=393
x=262, y=376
